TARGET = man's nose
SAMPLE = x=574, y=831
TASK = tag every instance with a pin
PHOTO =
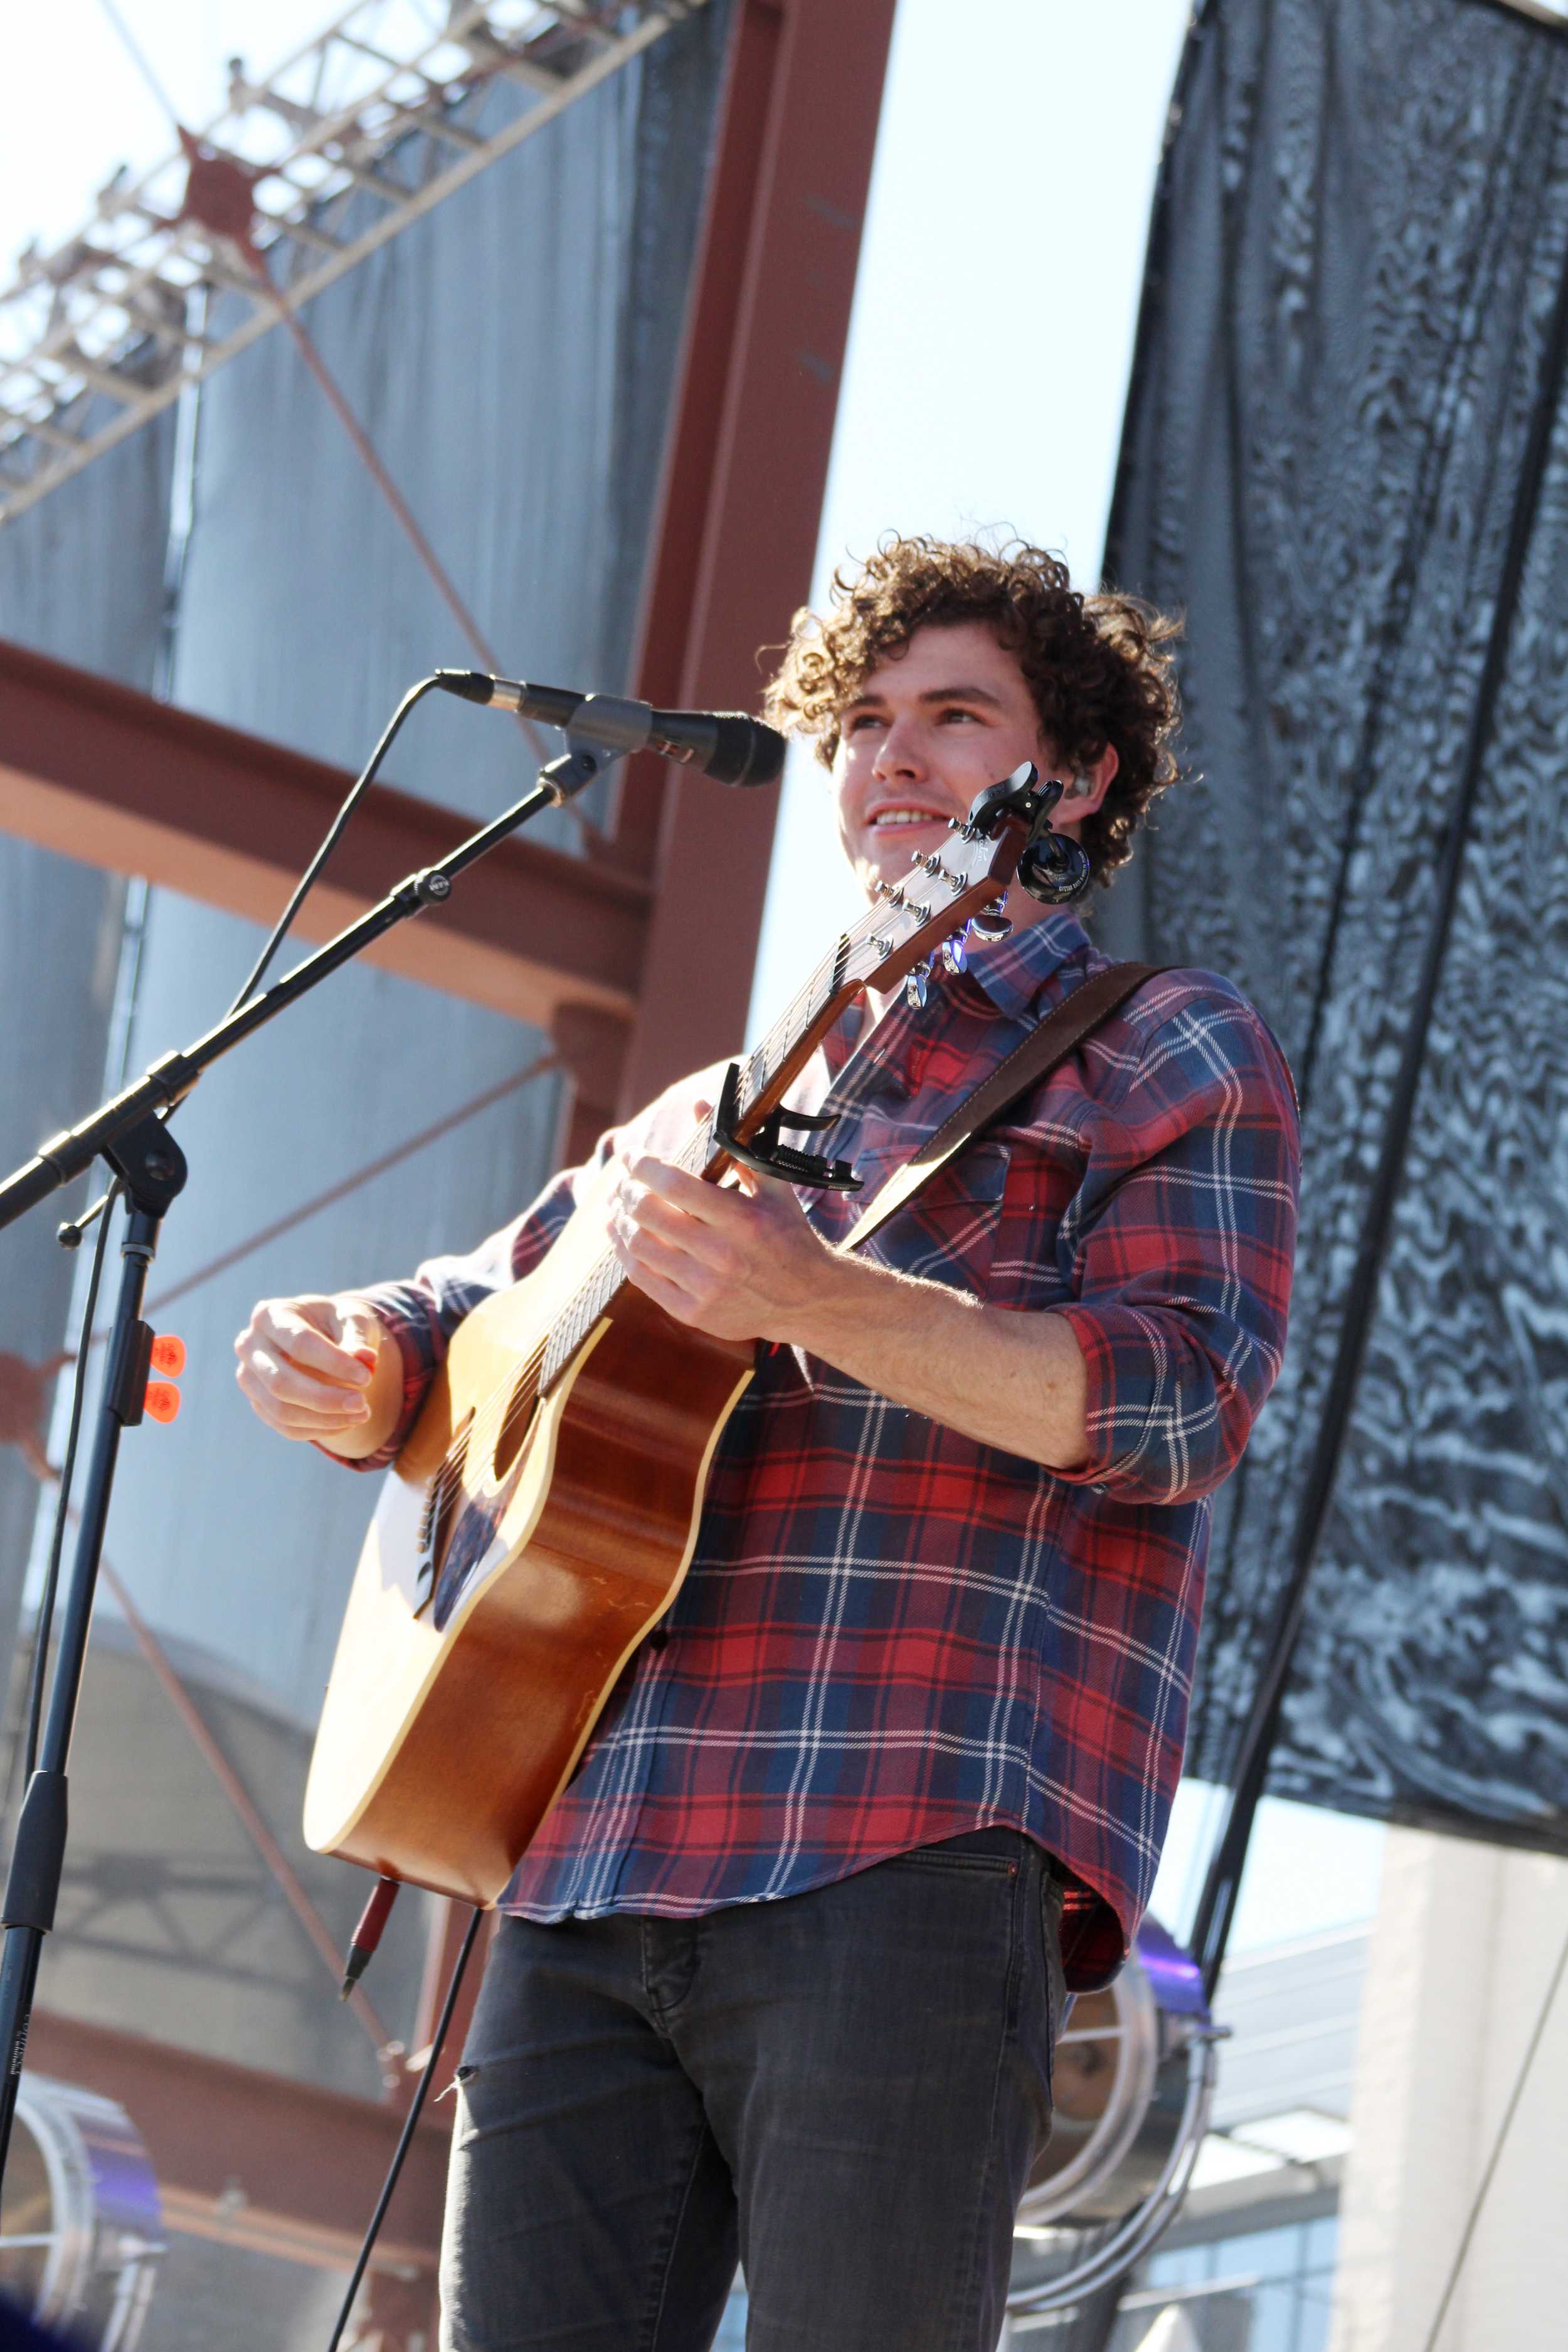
x=899, y=753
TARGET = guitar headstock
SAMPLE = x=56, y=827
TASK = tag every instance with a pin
x=932, y=911
x=950, y=893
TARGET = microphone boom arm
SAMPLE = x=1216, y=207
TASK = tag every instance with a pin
x=168, y=1080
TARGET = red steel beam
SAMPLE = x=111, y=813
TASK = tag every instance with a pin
x=99, y=772
x=256, y=2158
x=745, y=469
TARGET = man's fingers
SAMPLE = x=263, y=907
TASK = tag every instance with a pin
x=640, y=1248
x=655, y=1284
x=333, y=1411
x=284, y=1328
x=642, y=1211
x=710, y=1204
x=287, y=1385
x=360, y=1333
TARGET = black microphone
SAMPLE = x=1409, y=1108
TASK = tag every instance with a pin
x=723, y=744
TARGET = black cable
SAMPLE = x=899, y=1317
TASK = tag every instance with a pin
x=45, y=1619
x=406, y=2136
x=333, y=834
x=70, y=1235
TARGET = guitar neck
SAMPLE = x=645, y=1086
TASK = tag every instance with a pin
x=936, y=904
x=766, y=1076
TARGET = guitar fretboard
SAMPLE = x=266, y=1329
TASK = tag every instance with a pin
x=758, y=1072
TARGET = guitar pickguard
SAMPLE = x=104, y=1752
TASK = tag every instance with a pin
x=475, y=1527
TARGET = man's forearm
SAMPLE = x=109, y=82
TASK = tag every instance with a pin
x=1006, y=1379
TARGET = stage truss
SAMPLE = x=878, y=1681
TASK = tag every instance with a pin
x=98, y=335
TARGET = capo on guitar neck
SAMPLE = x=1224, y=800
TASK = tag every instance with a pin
x=766, y=1156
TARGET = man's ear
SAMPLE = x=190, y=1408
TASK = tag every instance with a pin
x=1088, y=787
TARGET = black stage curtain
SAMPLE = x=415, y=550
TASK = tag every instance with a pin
x=1358, y=246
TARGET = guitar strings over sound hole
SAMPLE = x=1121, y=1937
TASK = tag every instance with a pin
x=518, y=1419
x=441, y=1502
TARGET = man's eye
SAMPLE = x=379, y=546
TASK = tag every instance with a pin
x=860, y=721
x=957, y=711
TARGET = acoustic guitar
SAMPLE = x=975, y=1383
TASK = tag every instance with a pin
x=539, y=1518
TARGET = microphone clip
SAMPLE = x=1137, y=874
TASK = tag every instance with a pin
x=603, y=727
x=564, y=778
x=764, y=1155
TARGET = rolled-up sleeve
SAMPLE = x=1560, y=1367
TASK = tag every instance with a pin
x=1180, y=1241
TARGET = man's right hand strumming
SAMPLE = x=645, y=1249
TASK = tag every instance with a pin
x=324, y=1370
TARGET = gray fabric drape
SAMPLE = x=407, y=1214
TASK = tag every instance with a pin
x=1357, y=244
x=511, y=356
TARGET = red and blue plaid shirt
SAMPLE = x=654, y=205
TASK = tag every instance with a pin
x=891, y=1633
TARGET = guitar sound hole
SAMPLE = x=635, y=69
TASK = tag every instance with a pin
x=521, y=1414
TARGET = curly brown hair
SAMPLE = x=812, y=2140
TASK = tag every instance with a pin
x=1098, y=666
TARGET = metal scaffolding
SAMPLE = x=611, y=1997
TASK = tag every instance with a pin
x=99, y=334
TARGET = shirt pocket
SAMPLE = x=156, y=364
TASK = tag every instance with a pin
x=947, y=1233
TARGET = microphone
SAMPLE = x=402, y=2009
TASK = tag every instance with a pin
x=723, y=744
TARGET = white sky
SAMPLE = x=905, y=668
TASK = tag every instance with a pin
x=984, y=389
x=72, y=104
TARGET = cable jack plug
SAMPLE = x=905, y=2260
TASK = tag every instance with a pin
x=367, y=1935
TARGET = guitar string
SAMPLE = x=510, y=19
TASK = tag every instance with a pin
x=512, y=1397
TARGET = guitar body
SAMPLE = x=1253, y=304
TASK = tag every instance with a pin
x=441, y=1750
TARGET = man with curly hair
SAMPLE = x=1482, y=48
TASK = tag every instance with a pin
x=780, y=1976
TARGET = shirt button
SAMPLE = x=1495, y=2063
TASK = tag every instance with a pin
x=658, y=1639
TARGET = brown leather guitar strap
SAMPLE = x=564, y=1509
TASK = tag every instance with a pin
x=1063, y=1028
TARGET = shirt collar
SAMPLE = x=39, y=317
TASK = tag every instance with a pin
x=1031, y=964
x=1019, y=976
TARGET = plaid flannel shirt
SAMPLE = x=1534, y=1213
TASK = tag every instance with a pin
x=891, y=1633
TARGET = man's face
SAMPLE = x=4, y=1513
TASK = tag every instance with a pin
x=927, y=731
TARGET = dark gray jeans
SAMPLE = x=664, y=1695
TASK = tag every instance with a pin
x=844, y=2090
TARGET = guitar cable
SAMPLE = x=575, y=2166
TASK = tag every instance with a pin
x=405, y=2137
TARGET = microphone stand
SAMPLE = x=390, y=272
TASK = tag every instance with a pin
x=129, y=1132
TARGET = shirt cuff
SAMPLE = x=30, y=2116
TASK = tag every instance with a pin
x=1155, y=1430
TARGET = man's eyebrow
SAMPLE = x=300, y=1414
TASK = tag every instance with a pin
x=937, y=694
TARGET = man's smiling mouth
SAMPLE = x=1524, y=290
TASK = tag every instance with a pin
x=907, y=815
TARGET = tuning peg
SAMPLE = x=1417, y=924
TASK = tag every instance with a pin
x=991, y=923
x=955, y=950
x=916, y=987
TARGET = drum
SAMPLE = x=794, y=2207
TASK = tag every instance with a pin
x=1132, y=2086
x=80, y=2222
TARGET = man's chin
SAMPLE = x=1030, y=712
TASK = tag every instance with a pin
x=888, y=856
